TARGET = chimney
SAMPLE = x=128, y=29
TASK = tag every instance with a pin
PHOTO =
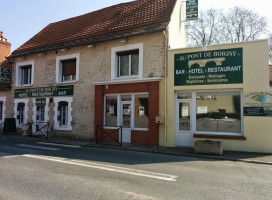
x=4, y=47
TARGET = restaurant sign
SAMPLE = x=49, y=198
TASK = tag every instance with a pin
x=223, y=66
x=67, y=90
x=191, y=10
x=258, y=104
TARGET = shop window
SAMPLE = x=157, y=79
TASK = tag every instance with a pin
x=24, y=73
x=111, y=111
x=218, y=112
x=67, y=68
x=63, y=113
x=127, y=61
x=128, y=110
x=141, y=111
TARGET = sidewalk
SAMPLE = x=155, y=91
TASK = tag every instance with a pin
x=261, y=158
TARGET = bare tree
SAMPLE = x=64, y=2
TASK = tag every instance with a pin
x=270, y=49
x=206, y=30
x=216, y=27
x=241, y=24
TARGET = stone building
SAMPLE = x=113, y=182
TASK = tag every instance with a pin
x=5, y=76
x=107, y=67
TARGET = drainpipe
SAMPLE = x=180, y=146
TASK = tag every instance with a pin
x=165, y=86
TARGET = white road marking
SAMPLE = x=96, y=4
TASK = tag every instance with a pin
x=10, y=156
x=112, y=168
x=38, y=147
x=60, y=145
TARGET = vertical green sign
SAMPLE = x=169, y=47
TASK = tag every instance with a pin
x=191, y=10
x=40, y=102
x=224, y=66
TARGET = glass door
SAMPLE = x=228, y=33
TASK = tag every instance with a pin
x=184, y=134
x=126, y=121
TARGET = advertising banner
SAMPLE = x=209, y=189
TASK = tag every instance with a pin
x=191, y=10
x=67, y=90
x=224, y=66
x=258, y=104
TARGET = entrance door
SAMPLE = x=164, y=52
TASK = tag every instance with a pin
x=126, y=121
x=184, y=134
x=39, y=118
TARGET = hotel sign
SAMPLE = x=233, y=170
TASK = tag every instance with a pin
x=67, y=90
x=223, y=66
x=191, y=10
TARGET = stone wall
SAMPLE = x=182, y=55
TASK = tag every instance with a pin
x=94, y=66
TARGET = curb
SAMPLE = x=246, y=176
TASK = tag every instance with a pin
x=150, y=151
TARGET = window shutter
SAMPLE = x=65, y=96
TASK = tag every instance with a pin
x=68, y=67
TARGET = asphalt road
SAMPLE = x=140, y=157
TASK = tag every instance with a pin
x=31, y=170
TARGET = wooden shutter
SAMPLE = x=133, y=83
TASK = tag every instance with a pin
x=68, y=67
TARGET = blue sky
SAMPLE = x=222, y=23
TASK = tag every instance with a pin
x=22, y=19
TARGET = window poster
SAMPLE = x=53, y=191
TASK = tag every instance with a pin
x=258, y=104
x=141, y=111
x=111, y=110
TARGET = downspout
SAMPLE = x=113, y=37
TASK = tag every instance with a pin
x=165, y=86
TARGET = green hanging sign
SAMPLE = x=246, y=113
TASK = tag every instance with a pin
x=191, y=10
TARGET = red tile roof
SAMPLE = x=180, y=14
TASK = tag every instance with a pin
x=122, y=20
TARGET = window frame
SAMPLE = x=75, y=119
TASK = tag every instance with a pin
x=16, y=102
x=194, y=111
x=119, y=106
x=57, y=126
x=19, y=73
x=59, y=74
x=115, y=61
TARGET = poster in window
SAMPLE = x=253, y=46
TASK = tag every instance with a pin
x=126, y=111
x=141, y=111
x=185, y=111
x=111, y=110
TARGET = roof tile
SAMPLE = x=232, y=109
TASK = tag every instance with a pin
x=136, y=17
